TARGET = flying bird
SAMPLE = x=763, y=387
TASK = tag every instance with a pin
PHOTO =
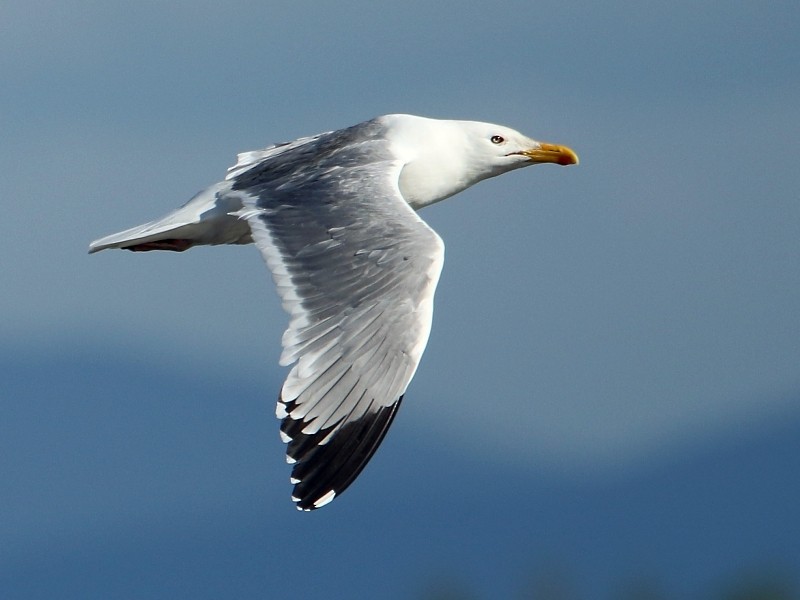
x=334, y=216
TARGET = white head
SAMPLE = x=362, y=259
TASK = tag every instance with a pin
x=445, y=157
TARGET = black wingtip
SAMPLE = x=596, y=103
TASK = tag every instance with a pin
x=323, y=471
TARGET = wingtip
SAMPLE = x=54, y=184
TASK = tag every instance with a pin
x=305, y=505
x=323, y=471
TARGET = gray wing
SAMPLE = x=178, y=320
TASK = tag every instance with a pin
x=356, y=270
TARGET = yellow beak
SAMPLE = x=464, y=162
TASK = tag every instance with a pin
x=551, y=153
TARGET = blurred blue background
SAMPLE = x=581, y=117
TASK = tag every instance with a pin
x=609, y=406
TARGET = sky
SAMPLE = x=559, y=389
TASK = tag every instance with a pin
x=599, y=327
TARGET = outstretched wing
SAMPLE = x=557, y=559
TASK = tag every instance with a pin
x=356, y=270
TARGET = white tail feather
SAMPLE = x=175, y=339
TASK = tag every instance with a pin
x=205, y=220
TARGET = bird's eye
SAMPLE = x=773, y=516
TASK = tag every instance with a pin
x=498, y=139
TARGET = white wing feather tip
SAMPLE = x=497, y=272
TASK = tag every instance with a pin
x=325, y=499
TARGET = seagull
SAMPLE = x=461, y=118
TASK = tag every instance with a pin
x=334, y=216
